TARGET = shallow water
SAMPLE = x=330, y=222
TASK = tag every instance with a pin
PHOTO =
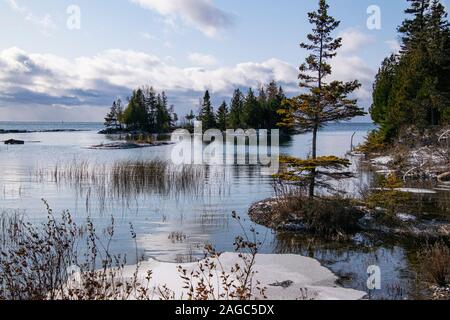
x=201, y=217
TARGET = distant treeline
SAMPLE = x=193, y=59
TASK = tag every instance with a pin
x=412, y=88
x=149, y=111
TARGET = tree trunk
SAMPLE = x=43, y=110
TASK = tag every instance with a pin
x=312, y=184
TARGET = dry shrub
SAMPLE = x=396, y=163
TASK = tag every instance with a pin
x=435, y=264
x=333, y=217
x=37, y=261
x=45, y=262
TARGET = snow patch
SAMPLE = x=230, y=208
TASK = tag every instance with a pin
x=307, y=278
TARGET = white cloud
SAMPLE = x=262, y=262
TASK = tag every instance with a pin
x=353, y=40
x=349, y=68
x=87, y=79
x=394, y=46
x=202, y=14
x=147, y=36
x=50, y=80
x=45, y=23
x=202, y=60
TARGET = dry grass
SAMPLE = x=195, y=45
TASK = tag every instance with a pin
x=332, y=217
x=125, y=180
x=435, y=260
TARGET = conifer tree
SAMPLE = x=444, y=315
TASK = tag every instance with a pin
x=251, y=115
x=413, y=30
x=236, y=109
x=113, y=118
x=222, y=117
x=323, y=103
x=206, y=115
x=413, y=89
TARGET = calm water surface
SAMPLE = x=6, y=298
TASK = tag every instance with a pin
x=202, y=217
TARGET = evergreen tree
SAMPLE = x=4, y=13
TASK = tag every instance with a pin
x=323, y=103
x=113, y=118
x=251, y=115
x=236, y=109
x=222, y=117
x=206, y=115
x=151, y=104
x=413, y=30
x=163, y=117
x=135, y=115
x=412, y=89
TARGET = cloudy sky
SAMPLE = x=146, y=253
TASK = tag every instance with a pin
x=51, y=70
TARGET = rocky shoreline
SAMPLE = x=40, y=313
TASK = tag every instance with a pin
x=3, y=131
x=409, y=226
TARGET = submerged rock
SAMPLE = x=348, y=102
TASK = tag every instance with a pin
x=127, y=145
x=14, y=142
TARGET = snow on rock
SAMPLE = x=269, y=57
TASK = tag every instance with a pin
x=415, y=190
x=383, y=161
x=304, y=277
x=408, y=190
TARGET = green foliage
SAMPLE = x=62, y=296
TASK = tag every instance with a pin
x=388, y=198
x=321, y=171
x=251, y=115
x=413, y=88
x=207, y=116
x=222, y=117
x=375, y=142
x=114, y=118
x=146, y=111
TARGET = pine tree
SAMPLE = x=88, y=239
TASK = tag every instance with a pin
x=413, y=30
x=324, y=102
x=163, y=117
x=135, y=116
x=222, y=117
x=251, y=114
x=236, y=109
x=412, y=90
x=382, y=95
x=206, y=115
x=113, y=118
x=151, y=106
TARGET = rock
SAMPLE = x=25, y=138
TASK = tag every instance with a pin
x=127, y=145
x=284, y=284
x=404, y=217
x=14, y=142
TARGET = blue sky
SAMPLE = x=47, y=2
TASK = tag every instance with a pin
x=50, y=72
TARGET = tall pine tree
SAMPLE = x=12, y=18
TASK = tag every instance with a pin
x=222, y=117
x=236, y=110
x=207, y=116
x=323, y=103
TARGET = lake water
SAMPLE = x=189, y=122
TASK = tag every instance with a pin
x=201, y=217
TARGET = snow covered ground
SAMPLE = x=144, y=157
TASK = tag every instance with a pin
x=303, y=278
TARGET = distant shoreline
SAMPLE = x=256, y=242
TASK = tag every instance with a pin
x=13, y=131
